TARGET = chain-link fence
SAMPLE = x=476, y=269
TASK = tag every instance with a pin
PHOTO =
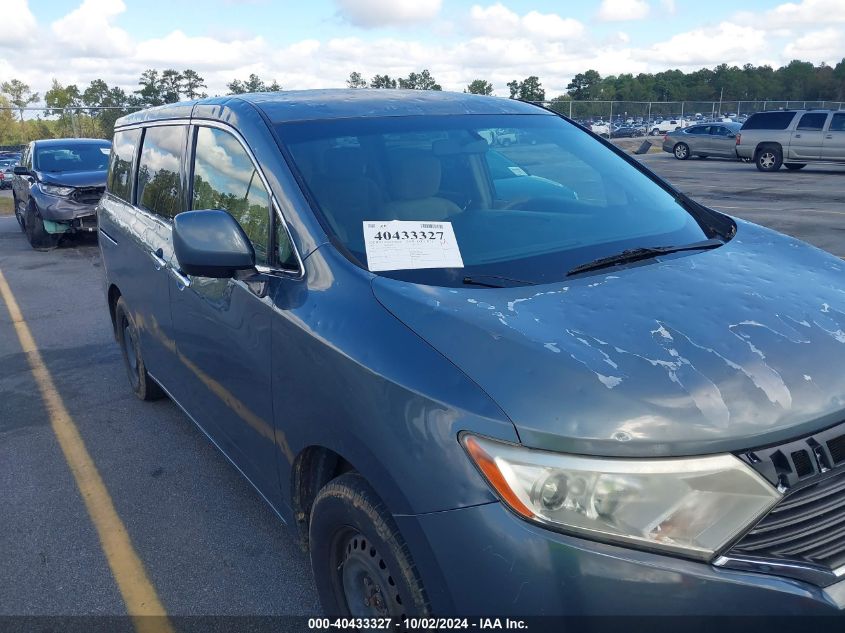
x=649, y=111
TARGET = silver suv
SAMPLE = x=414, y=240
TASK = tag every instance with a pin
x=792, y=138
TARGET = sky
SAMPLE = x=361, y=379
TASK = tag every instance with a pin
x=317, y=43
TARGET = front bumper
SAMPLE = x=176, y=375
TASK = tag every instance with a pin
x=58, y=209
x=483, y=560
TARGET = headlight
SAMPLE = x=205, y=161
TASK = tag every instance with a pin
x=55, y=190
x=691, y=506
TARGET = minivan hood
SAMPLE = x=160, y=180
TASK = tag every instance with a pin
x=721, y=350
x=74, y=178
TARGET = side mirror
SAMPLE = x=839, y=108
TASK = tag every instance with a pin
x=20, y=170
x=211, y=244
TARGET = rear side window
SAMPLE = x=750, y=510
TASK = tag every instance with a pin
x=838, y=123
x=769, y=121
x=812, y=121
x=122, y=162
x=225, y=178
x=699, y=129
x=159, y=184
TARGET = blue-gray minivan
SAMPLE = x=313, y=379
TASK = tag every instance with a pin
x=522, y=380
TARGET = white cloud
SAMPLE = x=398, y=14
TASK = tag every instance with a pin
x=726, y=43
x=88, y=30
x=375, y=13
x=17, y=24
x=497, y=20
x=199, y=53
x=817, y=46
x=491, y=42
x=622, y=10
x=668, y=6
x=794, y=14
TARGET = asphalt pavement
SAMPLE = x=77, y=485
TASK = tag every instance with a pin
x=207, y=541
x=808, y=204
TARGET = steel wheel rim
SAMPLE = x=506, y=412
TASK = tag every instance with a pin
x=363, y=577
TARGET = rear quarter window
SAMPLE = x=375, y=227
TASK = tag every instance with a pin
x=769, y=121
x=122, y=164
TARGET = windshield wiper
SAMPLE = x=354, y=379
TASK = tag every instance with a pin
x=494, y=281
x=636, y=254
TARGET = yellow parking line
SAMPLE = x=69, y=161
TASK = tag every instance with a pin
x=126, y=567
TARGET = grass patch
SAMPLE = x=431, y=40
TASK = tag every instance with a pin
x=6, y=206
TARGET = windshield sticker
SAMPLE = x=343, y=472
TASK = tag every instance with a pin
x=401, y=245
x=519, y=171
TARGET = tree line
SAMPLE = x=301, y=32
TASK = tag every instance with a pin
x=92, y=110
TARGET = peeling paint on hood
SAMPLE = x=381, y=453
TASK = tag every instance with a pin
x=719, y=350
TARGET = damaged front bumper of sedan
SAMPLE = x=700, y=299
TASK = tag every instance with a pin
x=75, y=213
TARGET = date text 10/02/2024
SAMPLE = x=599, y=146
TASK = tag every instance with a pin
x=411, y=624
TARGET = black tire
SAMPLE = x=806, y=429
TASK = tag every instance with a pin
x=362, y=566
x=768, y=158
x=37, y=235
x=681, y=151
x=655, y=132
x=18, y=215
x=126, y=332
x=794, y=166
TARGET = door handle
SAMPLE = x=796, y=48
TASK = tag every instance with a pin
x=182, y=281
x=828, y=135
x=158, y=259
x=797, y=136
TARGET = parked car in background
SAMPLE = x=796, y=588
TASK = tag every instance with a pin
x=626, y=131
x=666, y=126
x=703, y=140
x=7, y=172
x=470, y=401
x=57, y=187
x=792, y=138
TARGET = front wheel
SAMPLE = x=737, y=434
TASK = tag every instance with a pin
x=37, y=235
x=768, y=159
x=18, y=213
x=362, y=566
x=794, y=166
x=681, y=151
x=127, y=337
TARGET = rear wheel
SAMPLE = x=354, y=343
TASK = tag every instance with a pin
x=681, y=151
x=127, y=337
x=768, y=158
x=362, y=566
x=37, y=235
x=795, y=166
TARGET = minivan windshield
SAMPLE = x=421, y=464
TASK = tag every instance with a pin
x=527, y=197
x=73, y=157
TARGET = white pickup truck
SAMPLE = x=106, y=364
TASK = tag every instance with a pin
x=666, y=126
